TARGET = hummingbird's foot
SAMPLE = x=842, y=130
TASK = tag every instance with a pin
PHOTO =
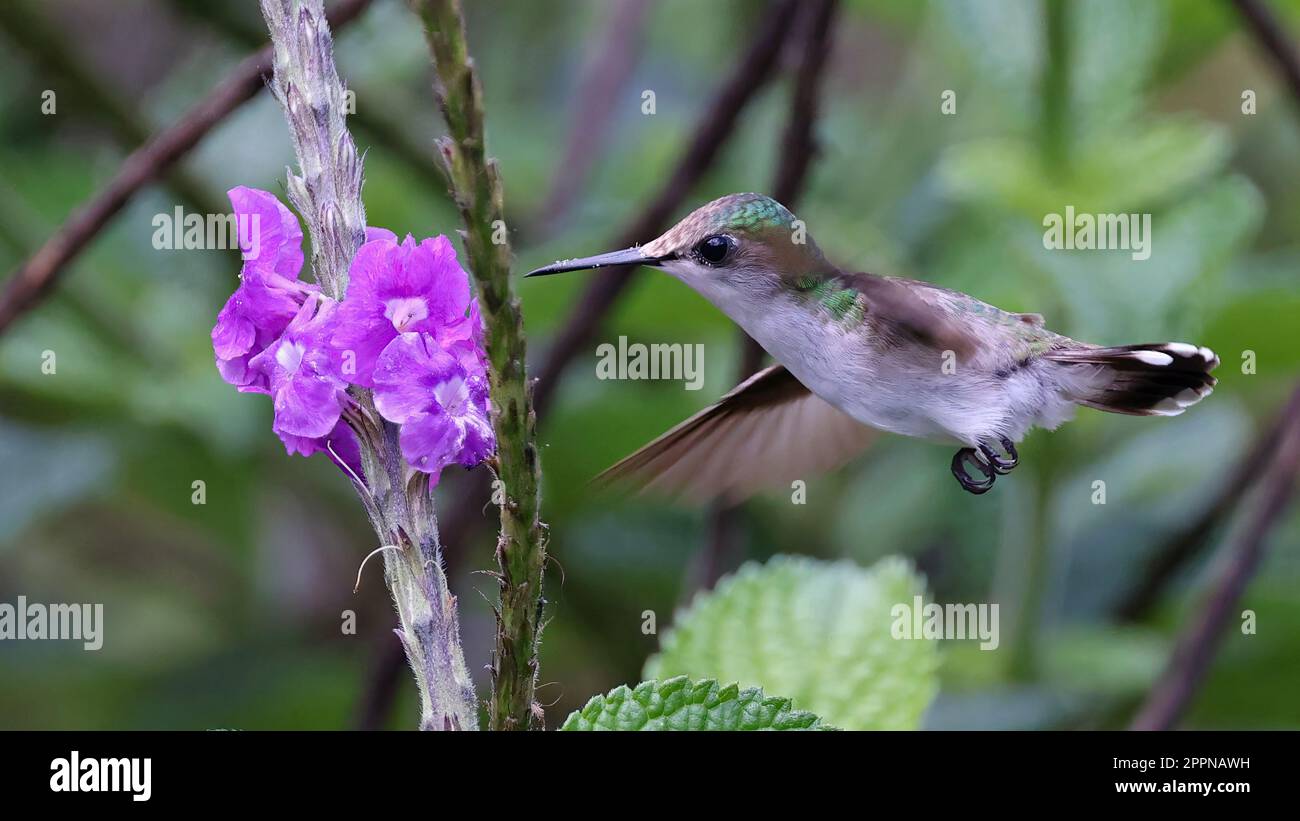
x=1001, y=464
x=969, y=484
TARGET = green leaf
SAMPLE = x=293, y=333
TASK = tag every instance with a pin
x=682, y=704
x=1128, y=169
x=1108, y=293
x=818, y=632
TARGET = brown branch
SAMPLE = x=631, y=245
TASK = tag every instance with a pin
x=374, y=119
x=714, y=128
x=1267, y=30
x=799, y=143
x=597, y=96
x=1163, y=565
x=42, y=41
x=35, y=277
x=1274, y=458
x=1240, y=557
x=722, y=113
x=1186, y=544
x=798, y=148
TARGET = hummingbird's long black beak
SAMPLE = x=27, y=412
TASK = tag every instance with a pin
x=628, y=256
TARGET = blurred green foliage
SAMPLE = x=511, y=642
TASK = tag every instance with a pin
x=230, y=613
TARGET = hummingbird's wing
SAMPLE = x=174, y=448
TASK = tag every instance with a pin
x=940, y=319
x=907, y=311
x=769, y=430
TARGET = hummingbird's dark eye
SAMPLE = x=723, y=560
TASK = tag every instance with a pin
x=713, y=250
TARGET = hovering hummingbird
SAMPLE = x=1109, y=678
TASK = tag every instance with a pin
x=856, y=351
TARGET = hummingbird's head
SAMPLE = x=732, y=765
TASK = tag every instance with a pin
x=740, y=242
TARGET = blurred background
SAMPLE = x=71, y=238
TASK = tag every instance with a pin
x=232, y=613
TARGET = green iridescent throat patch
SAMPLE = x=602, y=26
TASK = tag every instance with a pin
x=841, y=302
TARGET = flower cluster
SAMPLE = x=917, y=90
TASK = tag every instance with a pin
x=408, y=329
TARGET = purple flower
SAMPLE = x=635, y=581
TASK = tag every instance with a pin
x=442, y=408
x=373, y=233
x=464, y=340
x=236, y=341
x=302, y=373
x=409, y=328
x=269, y=292
x=269, y=236
x=396, y=289
x=340, y=444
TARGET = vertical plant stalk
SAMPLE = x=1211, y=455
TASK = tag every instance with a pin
x=328, y=195
x=719, y=118
x=1056, y=87
x=1054, y=98
x=1034, y=556
x=475, y=185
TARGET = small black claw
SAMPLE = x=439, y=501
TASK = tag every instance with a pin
x=968, y=484
x=1011, y=450
x=1000, y=464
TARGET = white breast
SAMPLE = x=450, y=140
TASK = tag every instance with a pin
x=884, y=389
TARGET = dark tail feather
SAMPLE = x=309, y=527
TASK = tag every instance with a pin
x=1159, y=379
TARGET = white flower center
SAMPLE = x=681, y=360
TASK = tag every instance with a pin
x=453, y=396
x=289, y=356
x=405, y=312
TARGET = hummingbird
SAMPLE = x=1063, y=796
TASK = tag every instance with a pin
x=857, y=353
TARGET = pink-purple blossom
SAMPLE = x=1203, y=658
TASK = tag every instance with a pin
x=399, y=288
x=305, y=381
x=408, y=328
x=269, y=292
x=340, y=444
x=442, y=407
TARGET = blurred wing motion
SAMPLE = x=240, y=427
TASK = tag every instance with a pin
x=769, y=430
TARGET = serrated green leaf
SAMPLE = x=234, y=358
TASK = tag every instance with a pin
x=682, y=704
x=818, y=632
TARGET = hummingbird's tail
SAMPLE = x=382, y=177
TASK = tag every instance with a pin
x=1158, y=379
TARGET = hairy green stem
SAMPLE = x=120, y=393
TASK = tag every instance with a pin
x=401, y=510
x=475, y=185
